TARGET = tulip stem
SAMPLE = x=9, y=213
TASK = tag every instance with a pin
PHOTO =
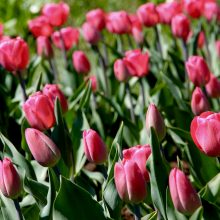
x=53, y=69
x=159, y=46
x=131, y=102
x=63, y=50
x=207, y=50
x=18, y=209
x=105, y=51
x=137, y=213
x=142, y=92
x=22, y=83
x=130, y=42
x=57, y=172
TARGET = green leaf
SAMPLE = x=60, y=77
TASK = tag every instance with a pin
x=151, y=216
x=198, y=214
x=31, y=212
x=86, y=96
x=73, y=202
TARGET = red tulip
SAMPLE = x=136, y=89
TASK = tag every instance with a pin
x=120, y=70
x=213, y=87
x=14, y=54
x=205, y=133
x=139, y=154
x=197, y=70
x=210, y=10
x=180, y=26
x=148, y=14
x=43, y=149
x=193, y=7
x=44, y=47
x=90, y=33
x=52, y=91
x=118, y=22
x=184, y=196
x=168, y=10
x=96, y=18
x=10, y=182
x=70, y=37
x=199, y=102
x=129, y=181
x=80, y=62
x=217, y=46
x=93, y=80
x=39, y=112
x=137, y=62
x=94, y=147
x=56, y=13
x=201, y=39
x=155, y=120
x=40, y=26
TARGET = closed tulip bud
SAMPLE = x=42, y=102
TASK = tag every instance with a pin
x=14, y=54
x=217, y=46
x=199, y=102
x=96, y=18
x=70, y=37
x=193, y=7
x=120, y=70
x=201, y=39
x=52, y=91
x=10, y=182
x=118, y=22
x=210, y=10
x=213, y=87
x=93, y=82
x=90, y=33
x=40, y=26
x=204, y=130
x=43, y=149
x=180, y=26
x=137, y=62
x=155, y=120
x=139, y=154
x=129, y=181
x=56, y=13
x=39, y=112
x=80, y=62
x=148, y=14
x=94, y=147
x=44, y=47
x=197, y=70
x=184, y=196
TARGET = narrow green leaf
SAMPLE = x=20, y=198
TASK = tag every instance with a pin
x=198, y=214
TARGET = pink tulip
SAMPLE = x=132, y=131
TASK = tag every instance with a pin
x=193, y=7
x=70, y=37
x=52, y=91
x=96, y=18
x=217, y=46
x=199, y=102
x=43, y=149
x=93, y=80
x=197, y=70
x=120, y=70
x=210, y=10
x=205, y=133
x=44, y=47
x=155, y=120
x=139, y=154
x=14, y=54
x=40, y=26
x=80, y=62
x=94, y=147
x=184, y=196
x=39, y=112
x=90, y=33
x=10, y=182
x=148, y=14
x=213, y=87
x=57, y=13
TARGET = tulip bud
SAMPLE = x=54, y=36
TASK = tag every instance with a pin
x=217, y=46
x=120, y=70
x=201, y=39
x=56, y=13
x=129, y=181
x=210, y=10
x=43, y=149
x=193, y=8
x=94, y=148
x=197, y=70
x=213, y=87
x=184, y=196
x=40, y=26
x=139, y=154
x=44, y=47
x=80, y=62
x=199, y=102
x=39, y=112
x=10, y=182
x=70, y=37
x=90, y=33
x=180, y=26
x=14, y=54
x=52, y=91
x=148, y=14
x=204, y=130
x=93, y=82
x=96, y=18
x=155, y=120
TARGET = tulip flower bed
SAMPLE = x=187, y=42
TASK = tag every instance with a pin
x=115, y=119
